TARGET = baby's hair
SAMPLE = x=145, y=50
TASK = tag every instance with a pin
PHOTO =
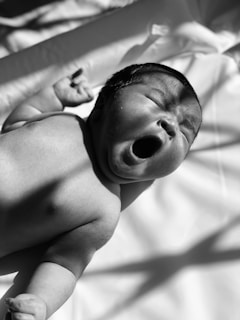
x=133, y=74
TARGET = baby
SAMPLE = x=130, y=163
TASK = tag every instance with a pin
x=64, y=180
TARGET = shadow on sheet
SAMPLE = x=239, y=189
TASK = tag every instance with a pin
x=176, y=251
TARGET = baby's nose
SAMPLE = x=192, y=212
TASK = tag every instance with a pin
x=169, y=124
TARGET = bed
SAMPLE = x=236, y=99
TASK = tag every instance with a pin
x=176, y=251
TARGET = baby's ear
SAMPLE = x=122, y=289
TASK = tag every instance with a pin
x=98, y=108
x=96, y=114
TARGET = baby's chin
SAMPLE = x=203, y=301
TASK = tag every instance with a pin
x=124, y=166
x=118, y=171
x=146, y=158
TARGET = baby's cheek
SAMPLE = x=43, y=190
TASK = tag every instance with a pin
x=166, y=163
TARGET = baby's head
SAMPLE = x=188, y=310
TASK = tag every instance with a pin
x=144, y=122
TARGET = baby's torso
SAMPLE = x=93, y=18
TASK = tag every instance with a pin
x=47, y=184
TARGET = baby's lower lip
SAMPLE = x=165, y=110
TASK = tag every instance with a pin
x=129, y=157
x=121, y=171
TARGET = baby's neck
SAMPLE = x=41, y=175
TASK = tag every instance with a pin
x=89, y=144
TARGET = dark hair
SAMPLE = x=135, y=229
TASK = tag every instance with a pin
x=133, y=74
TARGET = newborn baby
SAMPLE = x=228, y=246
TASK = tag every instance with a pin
x=64, y=180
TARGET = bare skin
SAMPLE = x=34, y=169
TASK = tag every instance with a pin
x=146, y=131
x=59, y=184
x=45, y=167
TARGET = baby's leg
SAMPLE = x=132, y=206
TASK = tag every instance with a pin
x=73, y=90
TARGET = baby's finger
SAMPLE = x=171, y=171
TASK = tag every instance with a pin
x=23, y=305
x=80, y=78
x=21, y=316
x=77, y=77
x=76, y=74
x=84, y=90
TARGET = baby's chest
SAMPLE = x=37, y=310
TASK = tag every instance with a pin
x=81, y=199
x=72, y=202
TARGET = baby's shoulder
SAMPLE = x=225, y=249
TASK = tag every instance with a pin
x=61, y=126
x=56, y=117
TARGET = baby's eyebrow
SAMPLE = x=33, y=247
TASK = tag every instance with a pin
x=158, y=91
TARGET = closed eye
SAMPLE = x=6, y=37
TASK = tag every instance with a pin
x=157, y=101
x=189, y=126
x=185, y=136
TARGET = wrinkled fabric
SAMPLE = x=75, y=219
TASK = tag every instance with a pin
x=176, y=251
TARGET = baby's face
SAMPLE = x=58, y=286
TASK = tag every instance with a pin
x=146, y=131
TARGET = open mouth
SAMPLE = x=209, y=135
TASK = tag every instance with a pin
x=146, y=147
x=129, y=161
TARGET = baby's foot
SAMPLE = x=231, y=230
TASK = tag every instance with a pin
x=73, y=90
x=25, y=307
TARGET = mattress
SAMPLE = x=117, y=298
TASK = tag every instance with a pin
x=176, y=251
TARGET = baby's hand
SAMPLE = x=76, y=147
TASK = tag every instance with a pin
x=73, y=90
x=26, y=307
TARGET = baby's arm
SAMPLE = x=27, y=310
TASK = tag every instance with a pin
x=37, y=303
x=55, y=278
x=70, y=91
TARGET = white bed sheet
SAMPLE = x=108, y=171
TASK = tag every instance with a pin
x=176, y=251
